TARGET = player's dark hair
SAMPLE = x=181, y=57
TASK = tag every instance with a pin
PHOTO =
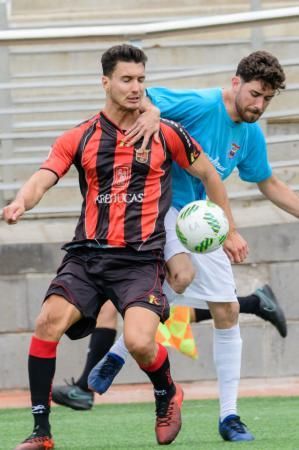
x=262, y=66
x=124, y=52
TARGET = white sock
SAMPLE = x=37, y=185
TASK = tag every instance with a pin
x=119, y=348
x=227, y=358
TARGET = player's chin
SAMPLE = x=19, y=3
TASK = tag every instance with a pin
x=252, y=117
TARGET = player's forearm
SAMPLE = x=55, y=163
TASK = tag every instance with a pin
x=29, y=195
x=34, y=189
x=147, y=105
x=281, y=195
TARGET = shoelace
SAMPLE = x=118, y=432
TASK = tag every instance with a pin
x=237, y=425
x=164, y=411
x=70, y=383
x=38, y=439
x=109, y=367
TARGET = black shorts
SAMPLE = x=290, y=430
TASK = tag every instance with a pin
x=87, y=278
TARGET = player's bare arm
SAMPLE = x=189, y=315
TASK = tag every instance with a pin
x=280, y=194
x=29, y=195
x=147, y=125
x=236, y=246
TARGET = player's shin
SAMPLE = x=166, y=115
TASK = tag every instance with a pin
x=41, y=367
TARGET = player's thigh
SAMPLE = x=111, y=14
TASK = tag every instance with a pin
x=107, y=317
x=74, y=284
x=140, y=327
x=56, y=316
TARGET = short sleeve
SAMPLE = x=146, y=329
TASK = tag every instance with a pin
x=184, y=149
x=62, y=153
x=175, y=104
x=255, y=166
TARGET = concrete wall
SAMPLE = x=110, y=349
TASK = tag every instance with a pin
x=26, y=270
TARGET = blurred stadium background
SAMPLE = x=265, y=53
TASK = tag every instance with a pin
x=51, y=81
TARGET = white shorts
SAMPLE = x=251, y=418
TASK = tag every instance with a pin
x=214, y=280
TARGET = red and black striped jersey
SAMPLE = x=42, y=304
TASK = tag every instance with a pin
x=126, y=192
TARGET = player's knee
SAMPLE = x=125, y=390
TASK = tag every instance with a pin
x=226, y=315
x=182, y=280
x=47, y=328
x=140, y=348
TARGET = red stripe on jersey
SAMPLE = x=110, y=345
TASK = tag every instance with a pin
x=152, y=191
x=183, y=148
x=122, y=172
x=89, y=163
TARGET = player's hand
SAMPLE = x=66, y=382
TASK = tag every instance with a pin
x=147, y=125
x=12, y=212
x=235, y=247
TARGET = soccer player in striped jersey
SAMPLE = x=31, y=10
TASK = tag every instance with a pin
x=117, y=248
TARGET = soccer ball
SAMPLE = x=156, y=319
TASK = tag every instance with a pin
x=202, y=226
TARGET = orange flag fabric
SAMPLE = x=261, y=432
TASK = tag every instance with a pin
x=177, y=332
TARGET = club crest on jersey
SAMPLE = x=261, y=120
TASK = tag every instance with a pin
x=122, y=175
x=142, y=155
x=234, y=149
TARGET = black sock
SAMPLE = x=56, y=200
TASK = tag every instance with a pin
x=41, y=373
x=249, y=304
x=100, y=343
x=202, y=314
x=41, y=368
x=159, y=374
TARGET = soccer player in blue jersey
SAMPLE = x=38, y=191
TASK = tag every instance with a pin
x=223, y=121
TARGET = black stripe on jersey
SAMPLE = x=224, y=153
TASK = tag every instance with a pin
x=166, y=192
x=105, y=173
x=133, y=226
x=181, y=132
x=80, y=229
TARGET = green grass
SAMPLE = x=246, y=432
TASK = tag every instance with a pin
x=274, y=422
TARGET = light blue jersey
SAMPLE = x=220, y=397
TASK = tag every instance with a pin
x=226, y=143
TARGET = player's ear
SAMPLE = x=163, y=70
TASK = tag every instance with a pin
x=105, y=82
x=236, y=82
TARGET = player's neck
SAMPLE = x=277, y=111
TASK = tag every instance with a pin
x=123, y=119
x=230, y=106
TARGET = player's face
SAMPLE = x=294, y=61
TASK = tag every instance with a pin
x=125, y=87
x=251, y=99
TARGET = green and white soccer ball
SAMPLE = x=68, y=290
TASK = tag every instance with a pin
x=202, y=226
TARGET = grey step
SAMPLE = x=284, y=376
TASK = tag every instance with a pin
x=34, y=9
x=89, y=14
x=171, y=53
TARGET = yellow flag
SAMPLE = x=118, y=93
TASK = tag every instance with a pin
x=177, y=332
